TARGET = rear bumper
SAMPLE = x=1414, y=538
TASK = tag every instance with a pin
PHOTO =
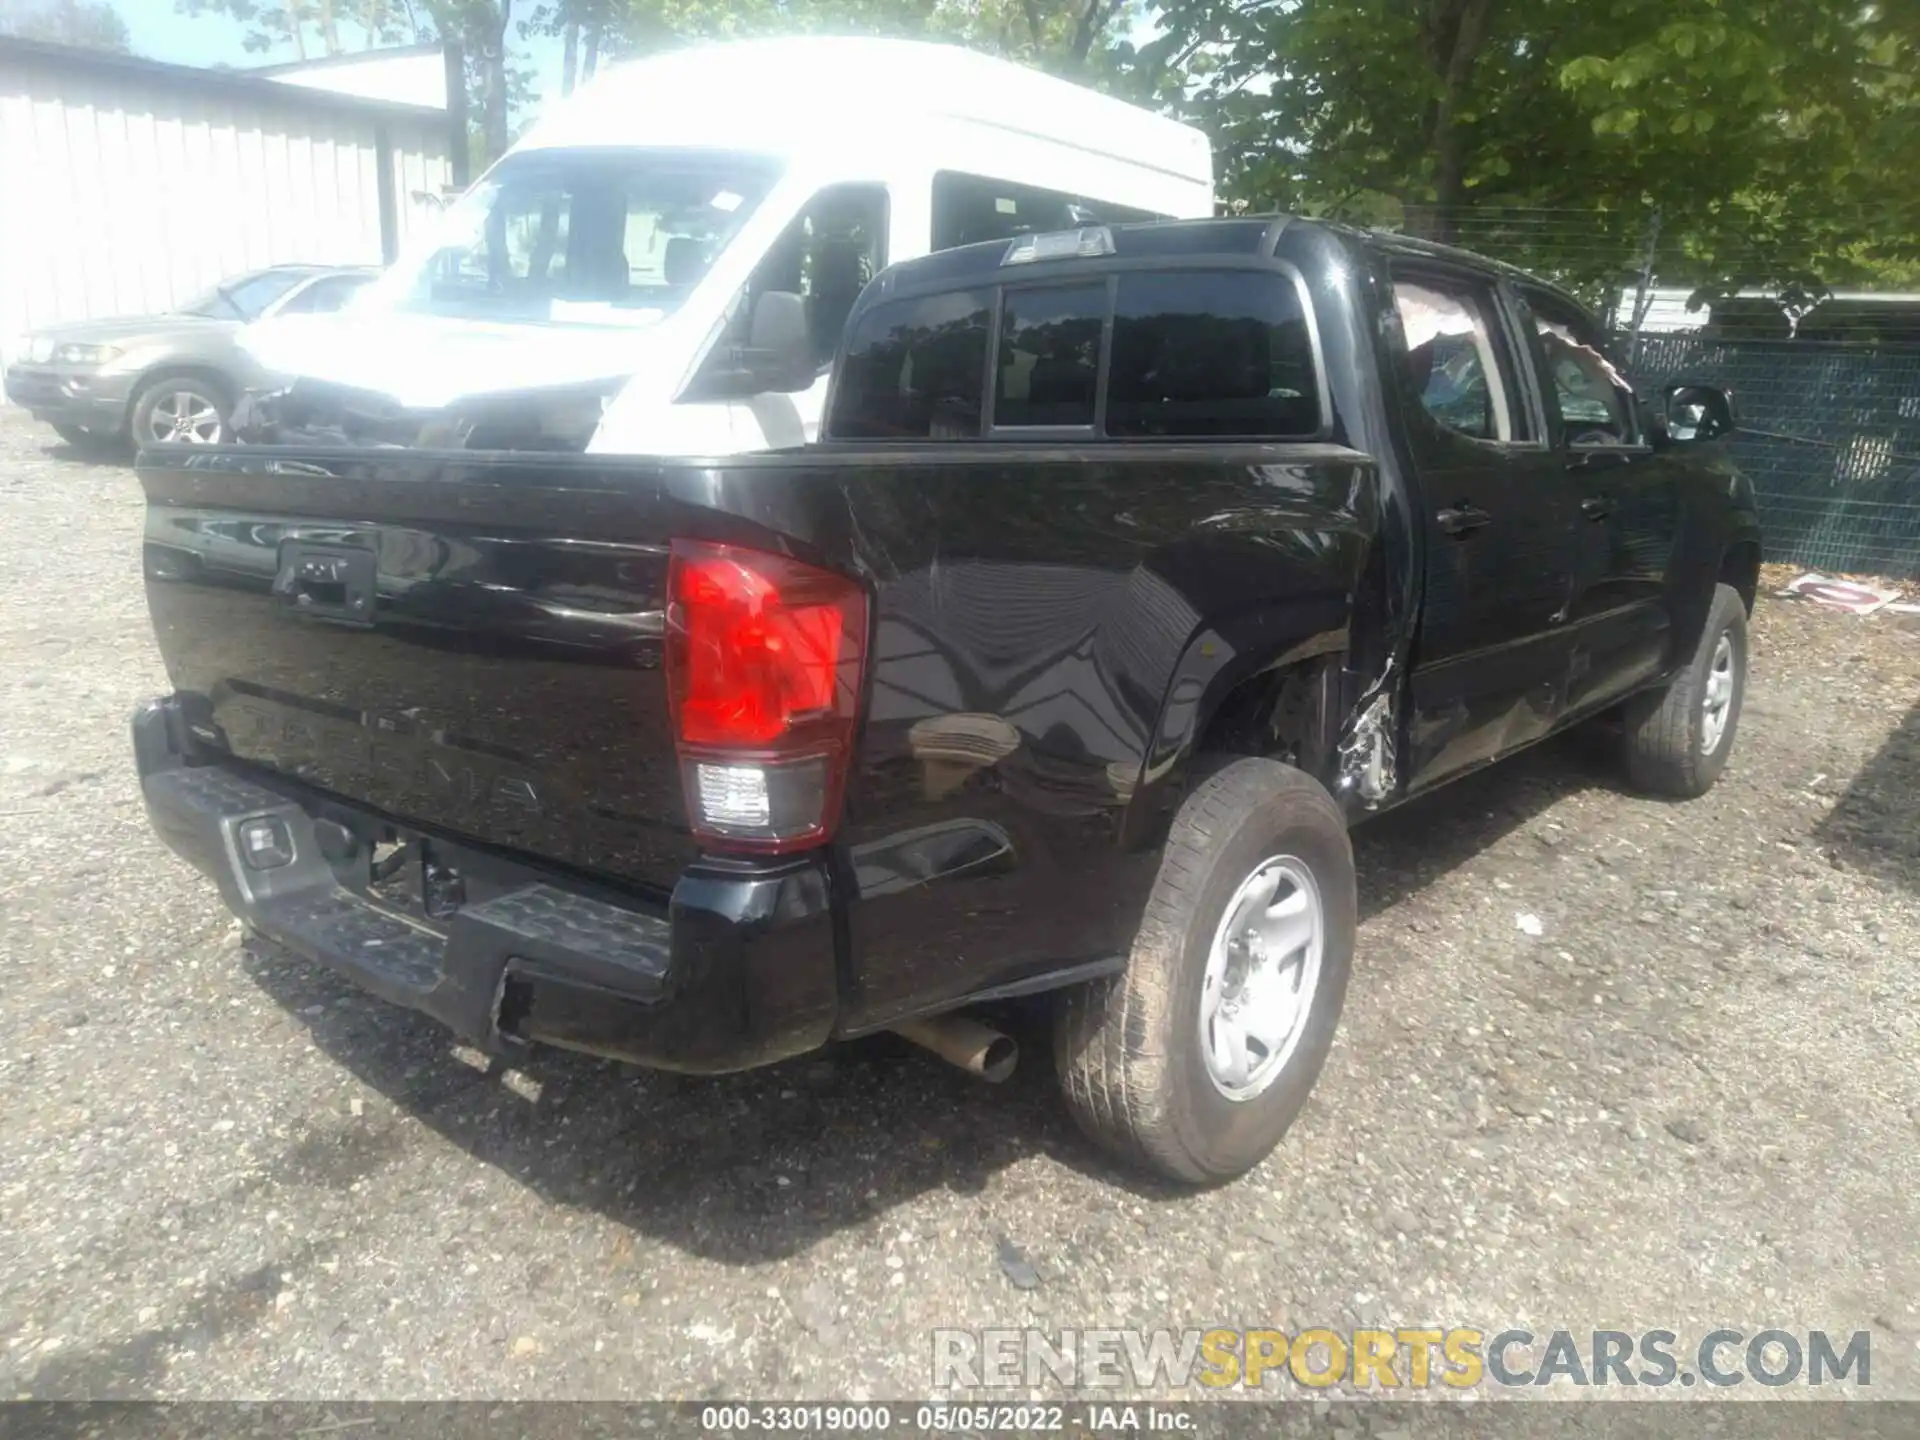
x=70, y=397
x=737, y=971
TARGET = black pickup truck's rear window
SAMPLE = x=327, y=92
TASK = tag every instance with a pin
x=1049, y=355
x=915, y=370
x=1195, y=353
x=1211, y=353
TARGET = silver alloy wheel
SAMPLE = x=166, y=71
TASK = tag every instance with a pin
x=182, y=416
x=1262, y=973
x=1718, y=704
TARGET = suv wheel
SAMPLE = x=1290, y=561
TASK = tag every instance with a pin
x=182, y=409
x=1196, y=1059
x=1678, y=739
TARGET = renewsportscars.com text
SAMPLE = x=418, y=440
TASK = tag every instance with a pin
x=1407, y=1358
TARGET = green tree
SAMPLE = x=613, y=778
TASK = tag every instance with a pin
x=1768, y=134
x=89, y=24
x=479, y=27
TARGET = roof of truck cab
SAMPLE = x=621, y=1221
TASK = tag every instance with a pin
x=781, y=95
x=1238, y=238
x=1411, y=247
x=1396, y=243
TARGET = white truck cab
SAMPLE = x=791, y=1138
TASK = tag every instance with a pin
x=692, y=230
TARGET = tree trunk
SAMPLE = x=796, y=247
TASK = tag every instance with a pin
x=329, y=28
x=1457, y=29
x=493, y=91
x=296, y=30
x=590, y=59
x=1092, y=21
x=1449, y=174
x=569, y=55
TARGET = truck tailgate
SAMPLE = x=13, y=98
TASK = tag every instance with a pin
x=471, y=647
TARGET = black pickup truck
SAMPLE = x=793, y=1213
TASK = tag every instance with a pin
x=1136, y=564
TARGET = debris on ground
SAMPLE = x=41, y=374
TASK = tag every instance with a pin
x=1853, y=596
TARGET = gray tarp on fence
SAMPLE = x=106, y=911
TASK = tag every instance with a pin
x=1830, y=436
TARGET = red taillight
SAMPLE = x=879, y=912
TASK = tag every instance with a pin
x=763, y=673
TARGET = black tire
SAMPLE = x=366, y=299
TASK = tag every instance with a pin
x=165, y=390
x=1667, y=731
x=1129, y=1049
x=91, y=444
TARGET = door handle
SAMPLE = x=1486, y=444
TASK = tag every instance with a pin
x=1597, y=507
x=1459, y=519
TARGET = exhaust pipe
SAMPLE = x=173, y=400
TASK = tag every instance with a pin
x=978, y=1049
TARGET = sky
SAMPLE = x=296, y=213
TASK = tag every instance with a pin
x=159, y=31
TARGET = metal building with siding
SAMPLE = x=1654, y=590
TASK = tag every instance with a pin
x=128, y=185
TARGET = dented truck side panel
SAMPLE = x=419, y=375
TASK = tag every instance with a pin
x=1027, y=723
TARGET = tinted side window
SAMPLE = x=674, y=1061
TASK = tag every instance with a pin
x=827, y=255
x=914, y=370
x=327, y=295
x=252, y=294
x=1595, y=401
x=1453, y=358
x=1222, y=353
x=968, y=209
x=1049, y=364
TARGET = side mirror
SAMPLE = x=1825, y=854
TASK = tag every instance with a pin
x=777, y=358
x=779, y=353
x=1698, y=412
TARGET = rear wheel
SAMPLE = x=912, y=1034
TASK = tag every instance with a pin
x=1196, y=1059
x=93, y=444
x=1678, y=739
x=182, y=409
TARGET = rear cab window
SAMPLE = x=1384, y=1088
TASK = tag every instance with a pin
x=915, y=370
x=1161, y=353
x=1221, y=354
x=1048, y=371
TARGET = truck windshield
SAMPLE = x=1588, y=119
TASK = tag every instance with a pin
x=582, y=237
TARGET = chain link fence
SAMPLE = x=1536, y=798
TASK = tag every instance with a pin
x=1830, y=436
x=1826, y=381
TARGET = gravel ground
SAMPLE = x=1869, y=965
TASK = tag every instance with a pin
x=1691, y=1100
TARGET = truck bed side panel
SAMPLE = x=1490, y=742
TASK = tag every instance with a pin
x=1031, y=613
